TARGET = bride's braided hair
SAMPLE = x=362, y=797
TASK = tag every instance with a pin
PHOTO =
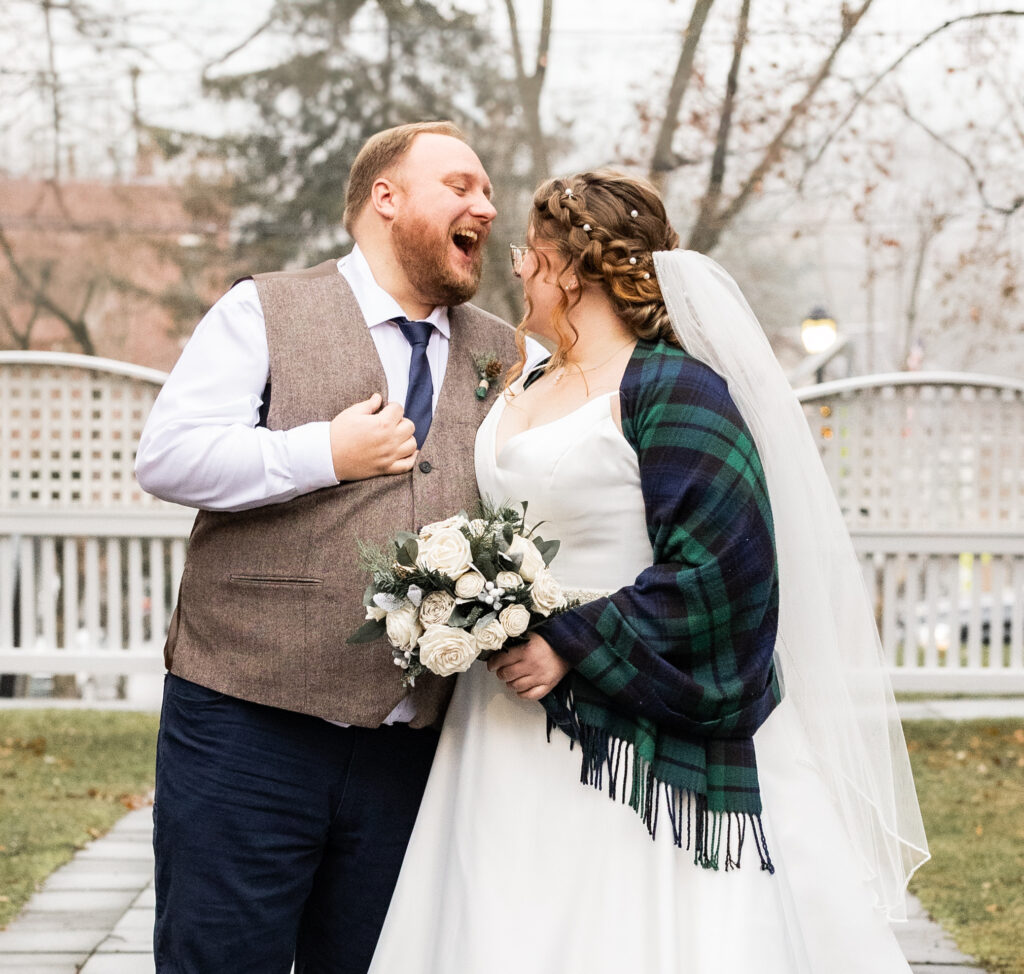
x=605, y=226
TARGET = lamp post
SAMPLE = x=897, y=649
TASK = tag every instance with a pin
x=818, y=333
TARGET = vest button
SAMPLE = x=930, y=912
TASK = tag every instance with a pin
x=425, y=466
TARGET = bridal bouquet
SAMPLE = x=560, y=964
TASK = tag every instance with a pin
x=458, y=590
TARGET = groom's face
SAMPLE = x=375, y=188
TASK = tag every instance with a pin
x=443, y=218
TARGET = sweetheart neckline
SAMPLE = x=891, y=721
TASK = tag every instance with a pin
x=497, y=454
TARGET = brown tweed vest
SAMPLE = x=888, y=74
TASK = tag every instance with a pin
x=269, y=596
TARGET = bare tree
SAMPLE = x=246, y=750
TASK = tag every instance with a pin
x=715, y=209
x=530, y=86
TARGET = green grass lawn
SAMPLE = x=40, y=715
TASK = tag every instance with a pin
x=65, y=777
x=970, y=779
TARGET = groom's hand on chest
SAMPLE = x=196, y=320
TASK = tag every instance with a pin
x=368, y=441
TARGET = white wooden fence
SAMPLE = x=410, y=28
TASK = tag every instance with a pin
x=929, y=472
x=89, y=563
x=928, y=468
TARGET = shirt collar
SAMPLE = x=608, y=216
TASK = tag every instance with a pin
x=377, y=306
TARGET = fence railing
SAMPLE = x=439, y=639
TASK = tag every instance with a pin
x=928, y=468
x=950, y=608
x=88, y=595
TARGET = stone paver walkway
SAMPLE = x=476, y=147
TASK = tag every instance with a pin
x=95, y=915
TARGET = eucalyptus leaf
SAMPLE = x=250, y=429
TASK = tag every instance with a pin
x=511, y=562
x=387, y=601
x=369, y=631
x=548, y=549
x=485, y=619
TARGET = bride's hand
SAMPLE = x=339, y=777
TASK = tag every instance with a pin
x=532, y=670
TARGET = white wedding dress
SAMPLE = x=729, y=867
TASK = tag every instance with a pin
x=515, y=867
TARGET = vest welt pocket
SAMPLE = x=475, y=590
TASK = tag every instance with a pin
x=274, y=580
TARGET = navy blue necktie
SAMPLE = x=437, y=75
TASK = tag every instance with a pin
x=420, y=395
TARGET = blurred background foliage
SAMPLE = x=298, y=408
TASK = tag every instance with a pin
x=864, y=155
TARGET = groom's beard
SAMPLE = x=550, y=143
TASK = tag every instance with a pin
x=425, y=253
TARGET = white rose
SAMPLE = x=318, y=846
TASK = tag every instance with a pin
x=533, y=561
x=546, y=593
x=469, y=585
x=436, y=608
x=447, y=552
x=404, y=627
x=375, y=612
x=444, y=650
x=489, y=637
x=514, y=619
x=508, y=580
x=476, y=526
x=456, y=521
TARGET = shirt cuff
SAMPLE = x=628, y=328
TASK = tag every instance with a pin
x=310, y=458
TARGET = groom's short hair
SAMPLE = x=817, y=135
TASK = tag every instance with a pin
x=379, y=153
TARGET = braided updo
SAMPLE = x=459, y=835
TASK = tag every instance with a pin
x=606, y=226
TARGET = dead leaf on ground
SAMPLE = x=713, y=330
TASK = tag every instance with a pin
x=135, y=802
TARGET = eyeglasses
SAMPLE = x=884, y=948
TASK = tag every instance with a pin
x=518, y=252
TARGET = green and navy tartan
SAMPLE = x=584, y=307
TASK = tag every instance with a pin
x=674, y=673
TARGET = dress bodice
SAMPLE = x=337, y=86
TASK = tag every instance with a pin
x=582, y=480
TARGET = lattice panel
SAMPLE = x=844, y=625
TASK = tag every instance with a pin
x=936, y=457
x=68, y=437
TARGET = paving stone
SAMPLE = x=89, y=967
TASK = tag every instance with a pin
x=48, y=941
x=120, y=964
x=97, y=880
x=127, y=853
x=36, y=963
x=945, y=969
x=78, y=901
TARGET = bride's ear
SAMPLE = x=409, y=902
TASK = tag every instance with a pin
x=570, y=284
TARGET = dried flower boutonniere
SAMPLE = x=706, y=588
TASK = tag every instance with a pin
x=488, y=368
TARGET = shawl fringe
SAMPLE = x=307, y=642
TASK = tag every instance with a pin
x=610, y=763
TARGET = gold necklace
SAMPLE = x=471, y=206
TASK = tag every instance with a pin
x=562, y=371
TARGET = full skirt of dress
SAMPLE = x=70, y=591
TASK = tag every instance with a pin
x=515, y=867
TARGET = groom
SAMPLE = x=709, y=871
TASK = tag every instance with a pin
x=312, y=409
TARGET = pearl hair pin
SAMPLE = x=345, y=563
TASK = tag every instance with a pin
x=586, y=226
x=632, y=260
x=634, y=214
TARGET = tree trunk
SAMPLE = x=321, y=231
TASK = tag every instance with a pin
x=663, y=161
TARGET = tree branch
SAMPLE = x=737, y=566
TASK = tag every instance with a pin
x=77, y=327
x=530, y=86
x=892, y=67
x=663, y=161
x=979, y=181
x=713, y=194
x=775, y=148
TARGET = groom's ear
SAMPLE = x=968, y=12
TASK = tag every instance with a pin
x=382, y=197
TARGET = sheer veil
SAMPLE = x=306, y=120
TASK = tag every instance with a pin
x=828, y=650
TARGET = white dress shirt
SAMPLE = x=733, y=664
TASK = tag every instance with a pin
x=201, y=446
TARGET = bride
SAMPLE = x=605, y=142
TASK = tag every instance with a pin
x=699, y=770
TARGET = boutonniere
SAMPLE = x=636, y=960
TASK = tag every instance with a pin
x=488, y=368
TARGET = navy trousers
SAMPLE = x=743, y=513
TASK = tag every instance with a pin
x=278, y=836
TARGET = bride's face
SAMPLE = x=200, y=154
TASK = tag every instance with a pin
x=543, y=285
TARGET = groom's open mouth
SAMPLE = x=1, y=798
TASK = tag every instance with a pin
x=468, y=240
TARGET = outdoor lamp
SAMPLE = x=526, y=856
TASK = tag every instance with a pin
x=818, y=331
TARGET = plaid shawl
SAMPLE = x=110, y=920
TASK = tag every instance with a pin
x=672, y=675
